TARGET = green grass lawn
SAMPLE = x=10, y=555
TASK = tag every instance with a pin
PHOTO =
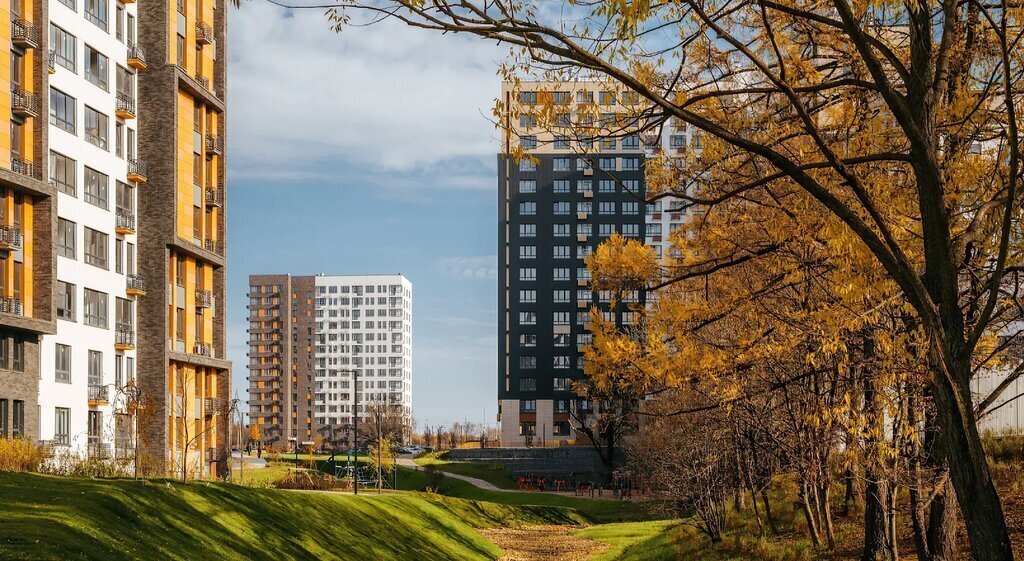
x=495, y=474
x=49, y=517
x=633, y=540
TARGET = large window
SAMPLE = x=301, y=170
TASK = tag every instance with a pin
x=96, y=187
x=527, y=186
x=95, y=368
x=96, y=248
x=62, y=110
x=95, y=308
x=66, y=245
x=62, y=364
x=96, y=12
x=96, y=125
x=96, y=68
x=18, y=418
x=62, y=44
x=62, y=426
x=62, y=173
x=528, y=230
x=527, y=274
x=66, y=301
x=3, y=418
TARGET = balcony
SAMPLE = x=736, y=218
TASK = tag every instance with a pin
x=124, y=222
x=581, y=282
x=213, y=197
x=10, y=305
x=581, y=237
x=213, y=246
x=203, y=349
x=25, y=167
x=136, y=57
x=125, y=107
x=214, y=144
x=211, y=455
x=582, y=304
x=588, y=194
x=124, y=448
x=137, y=170
x=24, y=33
x=582, y=216
x=99, y=450
x=124, y=337
x=203, y=81
x=204, y=298
x=204, y=34
x=211, y=406
x=51, y=62
x=10, y=238
x=135, y=285
x=99, y=395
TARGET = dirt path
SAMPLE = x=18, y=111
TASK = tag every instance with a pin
x=543, y=543
x=407, y=462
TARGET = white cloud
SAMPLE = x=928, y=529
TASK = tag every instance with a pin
x=387, y=97
x=484, y=267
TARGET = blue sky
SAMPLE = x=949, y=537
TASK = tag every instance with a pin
x=375, y=144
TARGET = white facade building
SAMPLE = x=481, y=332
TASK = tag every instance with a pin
x=92, y=132
x=364, y=326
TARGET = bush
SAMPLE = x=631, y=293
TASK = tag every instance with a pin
x=1005, y=449
x=20, y=454
x=307, y=481
x=69, y=464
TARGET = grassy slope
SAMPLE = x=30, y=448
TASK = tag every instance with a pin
x=633, y=540
x=495, y=474
x=67, y=518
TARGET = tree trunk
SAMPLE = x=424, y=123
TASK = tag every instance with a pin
x=768, y=511
x=942, y=526
x=826, y=511
x=876, y=531
x=809, y=515
x=851, y=500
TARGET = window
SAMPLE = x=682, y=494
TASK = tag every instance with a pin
x=66, y=301
x=527, y=405
x=561, y=164
x=95, y=368
x=528, y=230
x=528, y=142
x=119, y=22
x=630, y=207
x=95, y=308
x=606, y=207
x=527, y=428
x=527, y=362
x=631, y=142
x=63, y=44
x=96, y=12
x=527, y=296
x=584, y=207
x=561, y=207
x=527, y=208
x=560, y=318
x=62, y=110
x=653, y=229
x=561, y=252
x=528, y=340
x=561, y=230
x=563, y=120
x=527, y=252
x=583, y=96
x=527, y=274
x=584, y=229
x=560, y=186
x=630, y=164
x=96, y=248
x=677, y=141
x=18, y=354
x=96, y=67
x=62, y=364
x=606, y=98
x=527, y=186
x=606, y=186
x=582, y=251
x=528, y=98
x=608, y=143
x=62, y=173
x=606, y=163
x=560, y=273
x=561, y=406
x=561, y=362
x=18, y=419
x=526, y=164
x=561, y=142
x=66, y=246
x=631, y=230
x=605, y=230
x=584, y=186
x=560, y=296
x=69, y=4
x=583, y=273
x=561, y=98
x=96, y=127
x=561, y=428
x=631, y=186
x=3, y=418
x=527, y=318
x=96, y=185
x=527, y=120
x=583, y=164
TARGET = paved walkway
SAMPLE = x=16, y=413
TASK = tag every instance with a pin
x=407, y=461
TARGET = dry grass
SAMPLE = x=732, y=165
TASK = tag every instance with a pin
x=21, y=455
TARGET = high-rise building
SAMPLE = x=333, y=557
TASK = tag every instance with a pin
x=182, y=362
x=555, y=207
x=321, y=349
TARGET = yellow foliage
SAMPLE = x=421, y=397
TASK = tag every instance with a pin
x=20, y=454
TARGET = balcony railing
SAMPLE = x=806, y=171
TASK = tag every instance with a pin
x=212, y=246
x=10, y=237
x=125, y=107
x=213, y=197
x=24, y=33
x=203, y=349
x=204, y=33
x=10, y=305
x=99, y=394
x=124, y=448
x=124, y=336
x=25, y=167
x=99, y=450
x=137, y=170
x=204, y=298
x=214, y=144
x=211, y=454
x=135, y=285
x=124, y=222
x=211, y=406
x=51, y=62
x=203, y=81
x=136, y=56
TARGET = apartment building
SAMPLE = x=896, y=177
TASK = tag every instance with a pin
x=554, y=209
x=181, y=358
x=322, y=348
x=92, y=158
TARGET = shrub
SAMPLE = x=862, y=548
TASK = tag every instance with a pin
x=307, y=481
x=20, y=454
x=69, y=464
